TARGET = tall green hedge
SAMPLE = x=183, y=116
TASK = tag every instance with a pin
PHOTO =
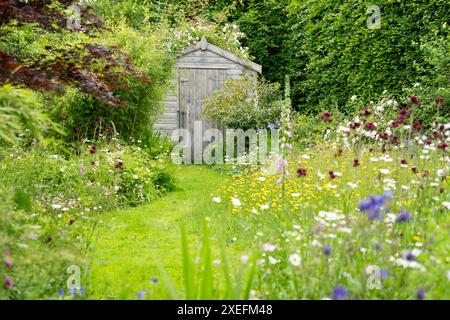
x=331, y=54
x=334, y=55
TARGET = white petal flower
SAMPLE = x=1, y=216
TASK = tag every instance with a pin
x=236, y=202
x=295, y=260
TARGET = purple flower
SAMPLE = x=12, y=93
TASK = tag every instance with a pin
x=403, y=216
x=326, y=117
x=384, y=274
x=340, y=293
x=271, y=126
x=141, y=295
x=420, y=294
x=413, y=99
x=409, y=255
x=9, y=282
x=8, y=263
x=374, y=204
x=327, y=251
x=302, y=172
x=119, y=165
x=81, y=171
x=154, y=280
x=61, y=292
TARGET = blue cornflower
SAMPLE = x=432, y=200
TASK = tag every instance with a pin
x=420, y=294
x=403, y=216
x=327, y=251
x=154, y=280
x=141, y=295
x=374, y=214
x=61, y=292
x=409, y=255
x=340, y=293
x=374, y=204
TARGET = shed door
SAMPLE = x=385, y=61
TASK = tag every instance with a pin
x=195, y=86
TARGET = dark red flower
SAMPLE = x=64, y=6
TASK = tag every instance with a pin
x=356, y=163
x=417, y=126
x=443, y=145
x=370, y=126
x=404, y=162
x=302, y=172
x=439, y=100
x=326, y=116
x=119, y=165
x=366, y=112
x=93, y=149
x=384, y=136
x=429, y=140
x=437, y=134
x=396, y=123
x=371, y=149
x=413, y=99
x=415, y=170
x=355, y=125
x=332, y=174
x=395, y=140
x=426, y=173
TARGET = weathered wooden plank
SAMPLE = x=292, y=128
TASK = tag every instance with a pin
x=207, y=60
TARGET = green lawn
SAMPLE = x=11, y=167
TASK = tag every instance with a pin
x=130, y=244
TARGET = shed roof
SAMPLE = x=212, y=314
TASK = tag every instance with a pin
x=206, y=46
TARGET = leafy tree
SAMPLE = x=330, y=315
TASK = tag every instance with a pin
x=78, y=61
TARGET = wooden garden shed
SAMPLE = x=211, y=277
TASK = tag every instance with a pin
x=201, y=69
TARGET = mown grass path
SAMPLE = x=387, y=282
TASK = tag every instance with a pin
x=129, y=244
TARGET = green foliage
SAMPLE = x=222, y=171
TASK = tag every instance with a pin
x=434, y=105
x=154, y=143
x=333, y=54
x=164, y=181
x=21, y=114
x=265, y=26
x=436, y=55
x=309, y=129
x=202, y=280
x=245, y=104
x=83, y=116
x=48, y=212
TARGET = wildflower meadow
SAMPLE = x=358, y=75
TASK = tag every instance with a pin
x=319, y=169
